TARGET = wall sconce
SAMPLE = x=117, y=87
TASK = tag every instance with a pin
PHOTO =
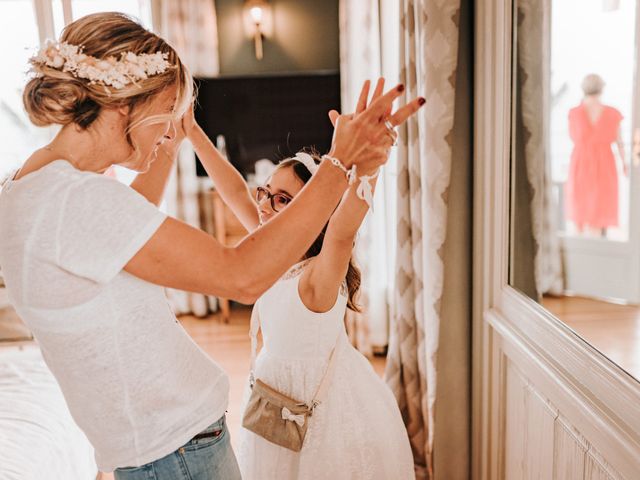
x=258, y=22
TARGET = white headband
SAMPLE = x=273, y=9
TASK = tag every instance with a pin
x=308, y=161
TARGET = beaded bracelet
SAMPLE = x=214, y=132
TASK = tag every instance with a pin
x=348, y=172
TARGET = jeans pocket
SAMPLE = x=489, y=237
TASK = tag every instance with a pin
x=144, y=472
x=209, y=436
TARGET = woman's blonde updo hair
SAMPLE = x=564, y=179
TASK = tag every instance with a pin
x=56, y=97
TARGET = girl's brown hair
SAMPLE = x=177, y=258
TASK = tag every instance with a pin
x=56, y=97
x=353, y=278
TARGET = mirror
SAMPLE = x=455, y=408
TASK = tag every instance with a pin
x=575, y=152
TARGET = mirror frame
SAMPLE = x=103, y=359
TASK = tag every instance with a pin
x=590, y=389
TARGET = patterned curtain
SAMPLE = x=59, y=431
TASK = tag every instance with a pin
x=428, y=67
x=534, y=73
x=190, y=27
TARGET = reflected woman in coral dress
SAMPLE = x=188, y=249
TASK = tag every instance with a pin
x=592, y=186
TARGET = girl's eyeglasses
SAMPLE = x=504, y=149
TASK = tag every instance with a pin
x=278, y=200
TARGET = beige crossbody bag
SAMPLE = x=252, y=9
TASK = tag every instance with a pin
x=273, y=415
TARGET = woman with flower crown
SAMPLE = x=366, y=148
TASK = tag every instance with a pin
x=337, y=417
x=85, y=257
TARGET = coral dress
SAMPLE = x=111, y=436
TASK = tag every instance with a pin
x=592, y=187
x=357, y=432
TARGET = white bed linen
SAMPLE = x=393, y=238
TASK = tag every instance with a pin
x=38, y=438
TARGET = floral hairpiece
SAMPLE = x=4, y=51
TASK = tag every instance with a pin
x=112, y=72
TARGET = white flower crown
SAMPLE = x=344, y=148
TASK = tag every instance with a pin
x=110, y=72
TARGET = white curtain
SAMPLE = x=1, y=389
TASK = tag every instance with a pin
x=190, y=27
x=534, y=73
x=369, y=35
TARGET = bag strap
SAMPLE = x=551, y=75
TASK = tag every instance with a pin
x=322, y=389
x=321, y=392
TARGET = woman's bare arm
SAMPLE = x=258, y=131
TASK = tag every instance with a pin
x=185, y=258
x=621, y=151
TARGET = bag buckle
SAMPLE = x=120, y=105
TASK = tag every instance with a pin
x=313, y=406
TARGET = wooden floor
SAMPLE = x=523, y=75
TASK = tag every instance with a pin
x=611, y=328
x=228, y=344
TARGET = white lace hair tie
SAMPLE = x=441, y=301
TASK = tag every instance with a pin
x=364, y=190
x=308, y=161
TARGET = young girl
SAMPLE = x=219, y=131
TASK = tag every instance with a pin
x=356, y=432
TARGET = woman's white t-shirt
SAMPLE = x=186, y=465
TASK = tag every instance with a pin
x=134, y=381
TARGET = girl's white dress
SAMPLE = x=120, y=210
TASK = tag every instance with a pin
x=357, y=431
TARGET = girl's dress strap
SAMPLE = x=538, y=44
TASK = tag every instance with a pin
x=253, y=333
x=296, y=269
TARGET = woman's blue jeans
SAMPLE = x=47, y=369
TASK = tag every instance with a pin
x=207, y=458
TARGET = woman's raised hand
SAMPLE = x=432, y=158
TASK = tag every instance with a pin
x=364, y=137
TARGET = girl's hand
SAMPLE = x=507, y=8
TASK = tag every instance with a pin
x=187, y=123
x=363, y=138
